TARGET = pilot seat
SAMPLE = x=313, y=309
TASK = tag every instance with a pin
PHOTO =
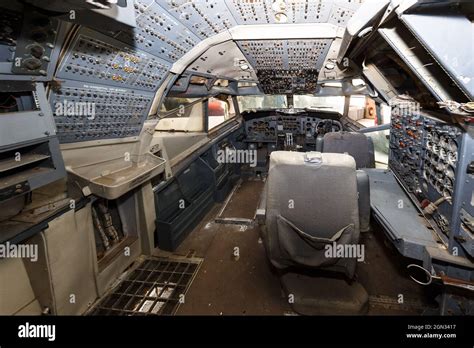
x=309, y=209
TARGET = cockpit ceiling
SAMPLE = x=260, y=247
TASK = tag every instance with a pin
x=336, y=12
x=206, y=18
x=224, y=60
x=281, y=66
x=167, y=30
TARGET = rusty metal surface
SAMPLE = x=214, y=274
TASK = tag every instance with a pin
x=157, y=286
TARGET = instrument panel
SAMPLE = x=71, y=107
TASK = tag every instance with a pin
x=289, y=131
x=268, y=128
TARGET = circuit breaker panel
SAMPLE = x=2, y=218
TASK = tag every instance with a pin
x=96, y=58
x=433, y=162
x=93, y=112
x=113, y=83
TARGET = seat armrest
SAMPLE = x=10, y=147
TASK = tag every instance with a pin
x=371, y=153
x=363, y=186
x=261, y=212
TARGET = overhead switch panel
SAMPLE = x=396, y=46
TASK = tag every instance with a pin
x=158, y=33
x=336, y=12
x=204, y=18
x=286, y=66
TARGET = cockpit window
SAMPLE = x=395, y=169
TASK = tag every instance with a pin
x=257, y=102
x=260, y=102
x=332, y=103
x=181, y=115
x=171, y=103
x=219, y=109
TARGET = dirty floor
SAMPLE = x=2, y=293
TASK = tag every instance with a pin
x=236, y=278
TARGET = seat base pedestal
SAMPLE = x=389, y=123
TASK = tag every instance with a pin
x=324, y=296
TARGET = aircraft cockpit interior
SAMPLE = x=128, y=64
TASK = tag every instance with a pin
x=236, y=157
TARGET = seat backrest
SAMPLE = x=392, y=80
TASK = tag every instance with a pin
x=311, y=201
x=357, y=145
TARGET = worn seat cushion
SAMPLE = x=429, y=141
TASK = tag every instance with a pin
x=319, y=200
x=357, y=145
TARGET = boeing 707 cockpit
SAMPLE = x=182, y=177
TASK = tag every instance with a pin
x=236, y=157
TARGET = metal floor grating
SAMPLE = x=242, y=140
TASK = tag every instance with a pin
x=155, y=287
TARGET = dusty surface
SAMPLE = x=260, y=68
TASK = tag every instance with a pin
x=245, y=200
x=384, y=276
x=231, y=285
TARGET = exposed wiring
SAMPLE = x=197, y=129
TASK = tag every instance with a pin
x=445, y=280
x=433, y=206
x=454, y=106
x=429, y=276
x=2, y=106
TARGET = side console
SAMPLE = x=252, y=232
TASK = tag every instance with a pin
x=29, y=149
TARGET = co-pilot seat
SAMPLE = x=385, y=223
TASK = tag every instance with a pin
x=310, y=207
x=360, y=147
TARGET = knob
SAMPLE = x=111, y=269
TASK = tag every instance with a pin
x=37, y=51
x=32, y=64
